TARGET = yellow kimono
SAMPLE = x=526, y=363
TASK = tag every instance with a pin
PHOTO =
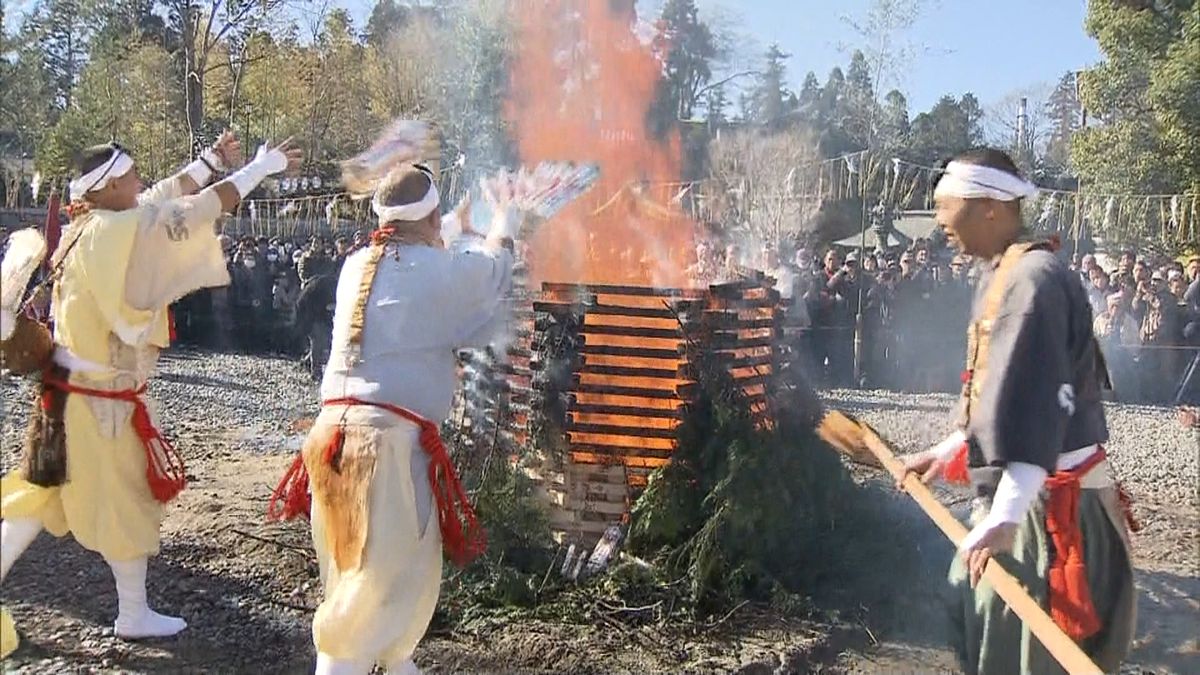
x=110, y=321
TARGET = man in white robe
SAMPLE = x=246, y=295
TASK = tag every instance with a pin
x=127, y=256
x=385, y=500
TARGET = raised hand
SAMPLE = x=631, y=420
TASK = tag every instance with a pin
x=229, y=149
x=463, y=211
x=295, y=156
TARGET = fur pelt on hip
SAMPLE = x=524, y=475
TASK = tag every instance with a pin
x=341, y=482
x=29, y=349
x=45, y=461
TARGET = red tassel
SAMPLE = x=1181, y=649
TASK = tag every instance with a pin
x=165, y=473
x=1070, y=597
x=293, y=492
x=461, y=545
x=955, y=470
x=381, y=236
x=333, y=451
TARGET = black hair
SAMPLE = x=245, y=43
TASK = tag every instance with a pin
x=89, y=159
x=991, y=158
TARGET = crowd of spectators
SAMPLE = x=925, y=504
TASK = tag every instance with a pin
x=279, y=301
x=916, y=304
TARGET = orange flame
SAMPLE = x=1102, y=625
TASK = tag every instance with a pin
x=582, y=83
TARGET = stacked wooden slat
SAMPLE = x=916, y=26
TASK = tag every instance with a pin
x=740, y=327
x=625, y=384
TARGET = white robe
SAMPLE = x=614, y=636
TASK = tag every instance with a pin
x=424, y=303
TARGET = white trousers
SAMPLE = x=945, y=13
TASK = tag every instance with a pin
x=379, y=612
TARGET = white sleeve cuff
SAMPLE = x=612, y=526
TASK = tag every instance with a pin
x=1018, y=488
x=199, y=172
x=946, y=449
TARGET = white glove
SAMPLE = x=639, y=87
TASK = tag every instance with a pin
x=199, y=172
x=267, y=162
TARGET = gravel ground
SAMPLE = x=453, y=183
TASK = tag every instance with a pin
x=1155, y=458
x=248, y=587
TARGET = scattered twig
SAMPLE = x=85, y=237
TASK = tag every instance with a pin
x=548, y=571
x=869, y=633
x=727, y=615
x=627, y=609
x=608, y=619
x=628, y=557
x=284, y=545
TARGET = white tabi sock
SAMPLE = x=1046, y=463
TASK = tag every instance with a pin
x=16, y=534
x=135, y=619
x=405, y=667
x=327, y=665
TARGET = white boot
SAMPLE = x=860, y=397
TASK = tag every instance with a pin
x=135, y=619
x=327, y=665
x=405, y=667
x=16, y=534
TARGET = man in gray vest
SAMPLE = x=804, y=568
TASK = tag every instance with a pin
x=1029, y=439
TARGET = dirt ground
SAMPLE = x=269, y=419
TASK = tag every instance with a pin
x=248, y=587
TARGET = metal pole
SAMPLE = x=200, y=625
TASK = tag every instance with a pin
x=1021, y=122
x=862, y=251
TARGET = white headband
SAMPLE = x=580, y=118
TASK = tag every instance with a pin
x=118, y=165
x=971, y=181
x=407, y=212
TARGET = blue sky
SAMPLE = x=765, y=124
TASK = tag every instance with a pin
x=988, y=47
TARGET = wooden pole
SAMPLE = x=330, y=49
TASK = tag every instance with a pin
x=839, y=430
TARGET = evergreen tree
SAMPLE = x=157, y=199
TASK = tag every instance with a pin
x=686, y=47
x=858, y=76
x=830, y=106
x=63, y=37
x=949, y=128
x=770, y=100
x=894, y=126
x=386, y=17
x=716, y=104
x=859, y=112
x=1065, y=112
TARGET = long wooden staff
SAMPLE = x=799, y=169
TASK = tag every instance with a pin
x=864, y=445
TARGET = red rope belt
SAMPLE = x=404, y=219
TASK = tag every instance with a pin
x=165, y=473
x=461, y=543
x=1071, y=604
x=1070, y=596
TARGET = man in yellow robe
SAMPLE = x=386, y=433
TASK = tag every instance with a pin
x=127, y=255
